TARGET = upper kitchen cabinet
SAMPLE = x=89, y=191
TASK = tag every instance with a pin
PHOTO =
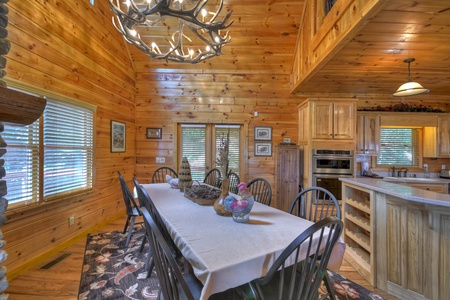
x=333, y=120
x=443, y=136
x=368, y=134
x=326, y=123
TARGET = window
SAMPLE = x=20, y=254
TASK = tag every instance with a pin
x=200, y=142
x=51, y=157
x=399, y=146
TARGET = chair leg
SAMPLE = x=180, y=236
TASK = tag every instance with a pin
x=130, y=231
x=144, y=240
x=126, y=224
x=329, y=286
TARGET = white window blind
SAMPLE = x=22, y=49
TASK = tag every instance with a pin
x=233, y=148
x=22, y=163
x=193, y=139
x=65, y=164
x=68, y=146
x=399, y=146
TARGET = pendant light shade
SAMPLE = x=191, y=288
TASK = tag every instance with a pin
x=410, y=88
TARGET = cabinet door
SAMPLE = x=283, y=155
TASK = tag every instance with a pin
x=344, y=121
x=368, y=134
x=444, y=136
x=303, y=125
x=322, y=120
x=288, y=175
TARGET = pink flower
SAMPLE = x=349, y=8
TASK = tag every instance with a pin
x=98, y=284
x=103, y=258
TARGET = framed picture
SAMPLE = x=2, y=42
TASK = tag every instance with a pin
x=118, y=136
x=154, y=133
x=263, y=149
x=263, y=133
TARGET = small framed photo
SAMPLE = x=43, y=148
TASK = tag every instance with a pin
x=153, y=133
x=263, y=149
x=118, y=136
x=263, y=133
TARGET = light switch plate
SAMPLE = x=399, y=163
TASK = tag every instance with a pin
x=286, y=140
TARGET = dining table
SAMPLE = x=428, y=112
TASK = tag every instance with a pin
x=223, y=253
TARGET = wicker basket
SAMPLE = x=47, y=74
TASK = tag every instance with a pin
x=202, y=194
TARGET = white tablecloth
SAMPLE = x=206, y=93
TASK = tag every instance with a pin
x=223, y=253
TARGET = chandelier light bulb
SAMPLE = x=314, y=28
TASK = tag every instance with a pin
x=192, y=32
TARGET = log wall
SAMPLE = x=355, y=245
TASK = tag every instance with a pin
x=72, y=49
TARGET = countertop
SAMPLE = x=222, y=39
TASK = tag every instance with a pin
x=403, y=191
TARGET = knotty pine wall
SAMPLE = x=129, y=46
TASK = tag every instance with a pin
x=162, y=100
x=71, y=48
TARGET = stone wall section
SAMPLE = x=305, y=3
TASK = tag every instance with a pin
x=5, y=46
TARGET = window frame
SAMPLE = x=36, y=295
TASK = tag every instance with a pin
x=30, y=204
x=210, y=150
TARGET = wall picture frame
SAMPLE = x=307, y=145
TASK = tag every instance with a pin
x=118, y=136
x=263, y=133
x=263, y=149
x=153, y=133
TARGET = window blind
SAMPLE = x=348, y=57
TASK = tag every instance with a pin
x=22, y=163
x=233, y=147
x=68, y=148
x=399, y=146
x=193, y=139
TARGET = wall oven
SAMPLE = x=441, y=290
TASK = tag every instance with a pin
x=328, y=166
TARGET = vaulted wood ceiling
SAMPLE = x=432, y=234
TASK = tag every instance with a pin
x=264, y=36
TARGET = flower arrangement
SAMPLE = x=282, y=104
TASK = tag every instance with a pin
x=222, y=155
x=404, y=107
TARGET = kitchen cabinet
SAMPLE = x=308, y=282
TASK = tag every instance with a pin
x=441, y=188
x=443, y=136
x=288, y=170
x=333, y=120
x=368, y=134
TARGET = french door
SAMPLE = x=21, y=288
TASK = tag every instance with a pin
x=200, y=142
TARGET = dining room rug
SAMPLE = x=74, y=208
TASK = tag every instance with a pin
x=112, y=270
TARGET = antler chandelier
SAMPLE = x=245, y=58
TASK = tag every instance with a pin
x=140, y=20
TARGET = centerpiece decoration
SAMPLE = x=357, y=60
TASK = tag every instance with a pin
x=222, y=164
x=240, y=207
x=185, y=177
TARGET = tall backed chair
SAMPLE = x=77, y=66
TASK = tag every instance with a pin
x=291, y=277
x=234, y=181
x=261, y=190
x=147, y=203
x=213, y=178
x=160, y=174
x=132, y=209
x=314, y=204
x=173, y=283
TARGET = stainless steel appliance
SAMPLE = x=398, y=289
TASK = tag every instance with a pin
x=328, y=166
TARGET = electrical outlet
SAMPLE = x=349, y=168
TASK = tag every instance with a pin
x=286, y=140
x=71, y=220
x=160, y=160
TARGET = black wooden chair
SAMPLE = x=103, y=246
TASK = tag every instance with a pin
x=159, y=176
x=292, y=278
x=213, y=178
x=261, y=190
x=314, y=204
x=173, y=283
x=234, y=181
x=132, y=209
x=147, y=203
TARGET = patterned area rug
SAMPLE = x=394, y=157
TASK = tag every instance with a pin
x=113, y=271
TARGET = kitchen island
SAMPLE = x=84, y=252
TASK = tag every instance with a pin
x=398, y=237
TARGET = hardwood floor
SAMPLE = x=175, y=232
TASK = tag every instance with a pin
x=60, y=280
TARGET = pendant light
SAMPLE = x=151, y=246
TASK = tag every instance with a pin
x=410, y=88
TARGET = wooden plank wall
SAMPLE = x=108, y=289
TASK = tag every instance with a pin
x=163, y=100
x=71, y=48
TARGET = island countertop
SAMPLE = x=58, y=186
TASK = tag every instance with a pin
x=401, y=191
